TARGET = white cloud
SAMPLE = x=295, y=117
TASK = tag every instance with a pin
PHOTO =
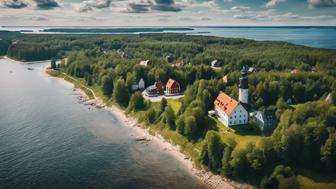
x=240, y=8
x=193, y=12
x=273, y=3
x=321, y=3
x=89, y=5
x=36, y=4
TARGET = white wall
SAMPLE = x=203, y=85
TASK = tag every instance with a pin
x=222, y=115
x=239, y=116
x=141, y=84
x=243, y=95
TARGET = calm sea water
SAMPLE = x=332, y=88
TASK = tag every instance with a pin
x=321, y=37
x=49, y=140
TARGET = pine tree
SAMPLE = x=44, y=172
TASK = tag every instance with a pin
x=53, y=64
x=121, y=94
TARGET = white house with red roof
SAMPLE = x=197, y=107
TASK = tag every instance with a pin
x=230, y=111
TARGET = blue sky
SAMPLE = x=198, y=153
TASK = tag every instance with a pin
x=167, y=12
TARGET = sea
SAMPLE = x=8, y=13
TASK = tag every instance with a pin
x=48, y=140
x=311, y=36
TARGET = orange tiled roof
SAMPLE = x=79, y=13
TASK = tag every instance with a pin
x=225, y=103
x=170, y=83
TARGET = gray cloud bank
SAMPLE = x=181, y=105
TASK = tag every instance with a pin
x=39, y=4
x=156, y=5
x=321, y=3
x=90, y=5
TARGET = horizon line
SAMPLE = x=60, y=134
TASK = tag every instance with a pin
x=178, y=26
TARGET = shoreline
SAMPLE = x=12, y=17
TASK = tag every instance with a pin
x=211, y=180
x=21, y=62
x=207, y=178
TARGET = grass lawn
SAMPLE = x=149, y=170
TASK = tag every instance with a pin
x=225, y=132
x=294, y=106
x=175, y=104
x=308, y=183
x=241, y=139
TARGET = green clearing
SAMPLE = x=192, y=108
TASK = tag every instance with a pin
x=308, y=183
x=175, y=104
x=241, y=139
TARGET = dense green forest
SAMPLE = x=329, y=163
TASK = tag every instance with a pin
x=305, y=136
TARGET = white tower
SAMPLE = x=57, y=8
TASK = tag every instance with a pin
x=243, y=87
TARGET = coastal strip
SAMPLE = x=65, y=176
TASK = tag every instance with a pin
x=20, y=62
x=211, y=180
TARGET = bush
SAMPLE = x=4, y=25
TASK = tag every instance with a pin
x=121, y=94
x=212, y=151
x=281, y=178
x=136, y=102
x=169, y=117
x=150, y=116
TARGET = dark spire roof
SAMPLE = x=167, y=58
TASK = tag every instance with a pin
x=244, y=71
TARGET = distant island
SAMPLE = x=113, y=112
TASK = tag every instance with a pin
x=116, y=30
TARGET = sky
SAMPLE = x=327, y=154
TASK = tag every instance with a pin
x=167, y=12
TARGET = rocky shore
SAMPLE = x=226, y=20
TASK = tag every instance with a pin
x=142, y=135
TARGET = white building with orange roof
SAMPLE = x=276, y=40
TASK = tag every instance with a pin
x=230, y=111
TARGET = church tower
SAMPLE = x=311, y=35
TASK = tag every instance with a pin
x=243, y=87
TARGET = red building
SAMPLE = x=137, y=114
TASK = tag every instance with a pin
x=172, y=87
x=155, y=90
x=159, y=87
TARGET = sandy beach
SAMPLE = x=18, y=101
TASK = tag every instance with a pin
x=142, y=133
x=213, y=181
x=20, y=62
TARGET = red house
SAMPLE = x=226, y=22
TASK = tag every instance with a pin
x=172, y=87
x=159, y=87
x=155, y=90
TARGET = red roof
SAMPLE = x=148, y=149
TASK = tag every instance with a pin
x=294, y=71
x=225, y=103
x=172, y=83
x=159, y=86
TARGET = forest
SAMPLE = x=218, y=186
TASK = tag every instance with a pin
x=305, y=136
